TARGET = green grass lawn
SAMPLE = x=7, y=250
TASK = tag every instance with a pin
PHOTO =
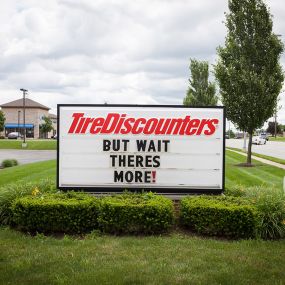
x=261, y=174
x=28, y=172
x=32, y=144
x=277, y=139
x=178, y=258
x=275, y=159
x=174, y=259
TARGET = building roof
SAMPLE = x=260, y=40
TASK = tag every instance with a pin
x=52, y=116
x=29, y=104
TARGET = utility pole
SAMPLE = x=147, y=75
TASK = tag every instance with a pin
x=24, y=112
x=19, y=114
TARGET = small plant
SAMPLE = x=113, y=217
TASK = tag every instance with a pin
x=94, y=234
x=9, y=163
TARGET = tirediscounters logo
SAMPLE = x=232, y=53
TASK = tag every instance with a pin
x=167, y=149
x=116, y=123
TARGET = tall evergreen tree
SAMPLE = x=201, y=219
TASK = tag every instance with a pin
x=248, y=68
x=200, y=92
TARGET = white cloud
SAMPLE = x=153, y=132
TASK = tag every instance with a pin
x=66, y=51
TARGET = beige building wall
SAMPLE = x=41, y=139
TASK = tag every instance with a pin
x=33, y=116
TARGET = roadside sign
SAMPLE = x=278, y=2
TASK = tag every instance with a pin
x=165, y=149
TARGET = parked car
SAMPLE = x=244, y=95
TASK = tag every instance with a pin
x=264, y=136
x=258, y=140
x=14, y=135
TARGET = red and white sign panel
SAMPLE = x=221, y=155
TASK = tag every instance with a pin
x=167, y=149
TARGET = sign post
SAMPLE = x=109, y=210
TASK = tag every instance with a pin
x=164, y=149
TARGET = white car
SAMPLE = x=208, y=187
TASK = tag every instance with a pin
x=14, y=135
x=258, y=140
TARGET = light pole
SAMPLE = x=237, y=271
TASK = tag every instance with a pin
x=24, y=111
x=19, y=114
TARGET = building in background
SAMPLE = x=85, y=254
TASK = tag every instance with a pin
x=35, y=112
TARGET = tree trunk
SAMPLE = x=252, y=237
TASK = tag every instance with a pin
x=249, y=149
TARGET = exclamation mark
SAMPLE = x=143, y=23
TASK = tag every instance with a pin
x=153, y=173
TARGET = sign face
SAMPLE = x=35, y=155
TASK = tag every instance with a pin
x=165, y=149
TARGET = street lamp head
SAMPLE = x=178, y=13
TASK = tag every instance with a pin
x=24, y=90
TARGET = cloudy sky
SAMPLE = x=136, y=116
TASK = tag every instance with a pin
x=96, y=51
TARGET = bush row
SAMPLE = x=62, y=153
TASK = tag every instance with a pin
x=78, y=212
x=243, y=213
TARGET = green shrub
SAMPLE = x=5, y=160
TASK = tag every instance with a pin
x=220, y=216
x=270, y=203
x=135, y=213
x=69, y=213
x=236, y=191
x=9, y=163
x=10, y=192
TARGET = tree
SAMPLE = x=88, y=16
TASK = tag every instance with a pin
x=248, y=70
x=201, y=92
x=2, y=121
x=46, y=126
x=271, y=128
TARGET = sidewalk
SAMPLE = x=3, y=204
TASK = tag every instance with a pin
x=260, y=159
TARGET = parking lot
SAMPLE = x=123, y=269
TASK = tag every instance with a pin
x=275, y=149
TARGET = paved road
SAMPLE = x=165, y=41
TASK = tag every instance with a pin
x=27, y=156
x=275, y=149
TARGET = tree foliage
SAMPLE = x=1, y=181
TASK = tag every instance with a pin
x=271, y=128
x=2, y=121
x=248, y=69
x=46, y=126
x=200, y=92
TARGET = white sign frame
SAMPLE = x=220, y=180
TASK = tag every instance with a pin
x=66, y=148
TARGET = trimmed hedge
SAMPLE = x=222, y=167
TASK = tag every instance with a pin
x=135, y=213
x=68, y=213
x=79, y=212
x=220, y=216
